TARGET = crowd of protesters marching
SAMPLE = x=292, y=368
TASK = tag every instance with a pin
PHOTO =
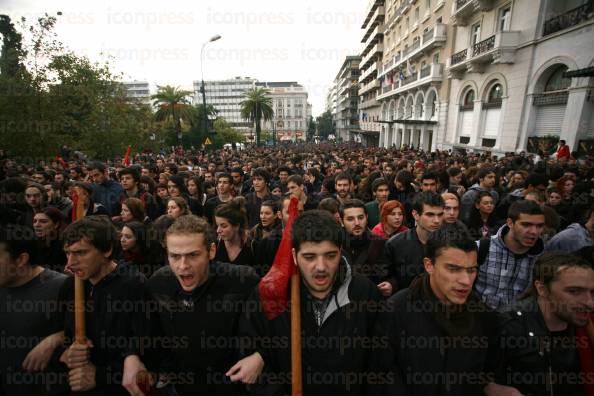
x=398, y=212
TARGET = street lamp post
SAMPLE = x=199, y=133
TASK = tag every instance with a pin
x=205, y=120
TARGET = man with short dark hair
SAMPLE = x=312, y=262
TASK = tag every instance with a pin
x=296, y=188
x=254, y=199
x=335, y=302
x=380, y=189
x=28, y=365
x=224, y=182
x=57, y=200
x=240, y=186
x=35, y=199
x=486, y=182
x=113, y=330
x=440, y=333
x=283, y=175
x=106, y=192
x=506, y=259
x=544, y=344
x=130, y=181
x=429, y=181
x=362, y=248
x=404, y=252
x=343, y=183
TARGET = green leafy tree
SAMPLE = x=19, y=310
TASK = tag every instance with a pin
x=227, y=133
x=257, y=106
x=311, y=129
x=173, y=106
x=53, y=96
x=325, y=125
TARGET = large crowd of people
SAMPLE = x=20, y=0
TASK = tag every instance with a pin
x=422, y=273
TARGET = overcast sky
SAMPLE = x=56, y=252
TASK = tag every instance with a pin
x=160, y=41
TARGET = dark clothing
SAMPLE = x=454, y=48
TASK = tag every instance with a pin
x=108, y=194
x=267, y=248
x=94, y=209
x=343, y=342
x=253, y=205
x=64, y=205
x=211, y=206
x=313, y=188
x=151, y=209
x=245, y=256
x=23, y=326
x=364, y=254
x=52, y=256
x=535, y=360
x=205, y=321
x=436, y=349
x=403, y=257
x=115, y=320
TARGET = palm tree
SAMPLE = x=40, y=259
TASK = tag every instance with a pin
x=173, y=105
x=257, y=106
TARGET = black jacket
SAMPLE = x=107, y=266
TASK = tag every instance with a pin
x=426, y=357
x=116, y=321
x=202, y=326
x=343, y=344
x=364, y=255
x=403, y=257
x=532, y=359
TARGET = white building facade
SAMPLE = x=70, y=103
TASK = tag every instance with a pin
x=225, y=96
x=138, y=91
x=509, y=85
x=291, y=110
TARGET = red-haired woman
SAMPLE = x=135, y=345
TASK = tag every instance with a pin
x=392, y=220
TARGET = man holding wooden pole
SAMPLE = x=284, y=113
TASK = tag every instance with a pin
x=114, y=311
x=324, y=347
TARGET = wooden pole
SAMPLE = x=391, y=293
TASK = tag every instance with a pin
x=79, y=286
x=296, y=370
x=79, y=311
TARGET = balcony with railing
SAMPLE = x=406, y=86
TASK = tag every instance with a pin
x=433, y=38
x=499, y=48
x=429, y=74
x=372, y=55
x=372, y=34
x=463, y=10
x=368, y=87
x=370, y=9
x=375, y=18
x=368, y=103
x=568, y=19
x=369, y=73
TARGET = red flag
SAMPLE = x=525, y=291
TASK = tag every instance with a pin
x=61, y=161
x=127, y=156
x=74, y=197
x=585, y=338
x=274, y=285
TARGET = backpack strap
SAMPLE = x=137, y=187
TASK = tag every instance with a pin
x=483, y=250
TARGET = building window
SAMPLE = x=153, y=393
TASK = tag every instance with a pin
x=469, y=99
x=495, y=94
x=428, y=5
x=436, y=58
x=439, y=20
x=475, y=34
x=557, y=82
x=417, y=12
x=504, y=18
